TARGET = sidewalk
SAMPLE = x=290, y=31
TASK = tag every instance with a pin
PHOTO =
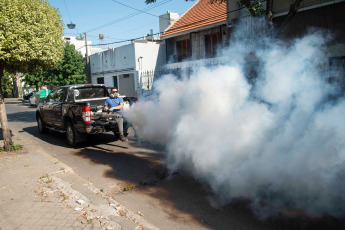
x=21, y=205
x=39, y=192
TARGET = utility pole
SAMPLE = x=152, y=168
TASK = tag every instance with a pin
x=88, y=69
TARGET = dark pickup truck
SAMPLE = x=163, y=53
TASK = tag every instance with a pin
x=76, y=110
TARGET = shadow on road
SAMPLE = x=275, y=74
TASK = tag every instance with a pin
x=183, y=193
x=25, y=116
x=59, y=139
x=96, y=141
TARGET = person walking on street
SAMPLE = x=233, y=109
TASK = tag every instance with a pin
x=114, y=103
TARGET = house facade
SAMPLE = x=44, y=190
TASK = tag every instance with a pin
x=199, y=34
x=326, y=15
x=125, y=67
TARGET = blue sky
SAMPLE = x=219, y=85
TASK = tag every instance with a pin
x=117, y=22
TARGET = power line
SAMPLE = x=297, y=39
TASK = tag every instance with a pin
x=126, y=40
x=129, y=16
x=78, y=34
x=135, y=8
x=67, y=11
x=213, y=17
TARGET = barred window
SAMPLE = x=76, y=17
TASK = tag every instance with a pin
x=183, y=49
x=211, y=45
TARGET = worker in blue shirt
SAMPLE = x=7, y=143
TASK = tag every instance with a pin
x=114, y=103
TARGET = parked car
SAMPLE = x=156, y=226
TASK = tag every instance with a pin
x=38, y=96
x=27, y=96
x=77, y=110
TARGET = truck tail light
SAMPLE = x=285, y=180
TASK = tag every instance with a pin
x=86, y=114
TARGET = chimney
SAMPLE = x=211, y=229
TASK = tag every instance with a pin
x=166, y=20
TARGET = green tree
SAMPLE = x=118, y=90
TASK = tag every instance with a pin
x=30, y=40
x=35, y=79
x=69, y=70
x=80, y=37
x=7, y=83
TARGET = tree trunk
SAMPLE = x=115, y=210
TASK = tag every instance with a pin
x=3, y=116
x=293, y=10
x=15, y=92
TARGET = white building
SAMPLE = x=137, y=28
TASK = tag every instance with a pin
x=80, y=45
x=123, y=67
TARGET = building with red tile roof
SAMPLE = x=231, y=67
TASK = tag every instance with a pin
x=199, y=33
x=200, y=15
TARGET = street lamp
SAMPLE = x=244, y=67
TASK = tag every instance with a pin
x=71, y=26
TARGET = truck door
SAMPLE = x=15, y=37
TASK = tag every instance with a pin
x=46, y=108
x=56, y=107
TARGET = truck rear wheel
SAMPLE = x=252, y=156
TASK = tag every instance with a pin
x=70, y=134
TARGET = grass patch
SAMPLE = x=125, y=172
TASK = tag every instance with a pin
x=130, y=187
x=13, y=147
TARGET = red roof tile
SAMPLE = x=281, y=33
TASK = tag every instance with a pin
x=201, y=14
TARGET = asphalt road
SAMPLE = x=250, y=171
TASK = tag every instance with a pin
x=167, y=201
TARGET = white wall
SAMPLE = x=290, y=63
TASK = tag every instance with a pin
x=125, y=60
x=79, y=44
x=152, y=53
x=113, y=60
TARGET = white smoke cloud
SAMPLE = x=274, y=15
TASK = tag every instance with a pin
x=279, y=143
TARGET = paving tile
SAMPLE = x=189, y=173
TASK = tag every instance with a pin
x=69, y=223
x=31, y=221
x=63, y=222
x=60, y=228
x=60, y=216
x=49, y=215
x=77, y=228
x=77, y=223
x=22, y=227
x=54, y=222
x=42, y=222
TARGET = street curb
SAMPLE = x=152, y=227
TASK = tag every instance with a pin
x=13, y=99
x=53, y=159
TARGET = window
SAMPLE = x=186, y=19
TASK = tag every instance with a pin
x=183, y=49
x=89, y=92
x=51, y=96
x=100, y=80
x=70, y=96
x=115, y=81
x=60, y=95
x=211, y=45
